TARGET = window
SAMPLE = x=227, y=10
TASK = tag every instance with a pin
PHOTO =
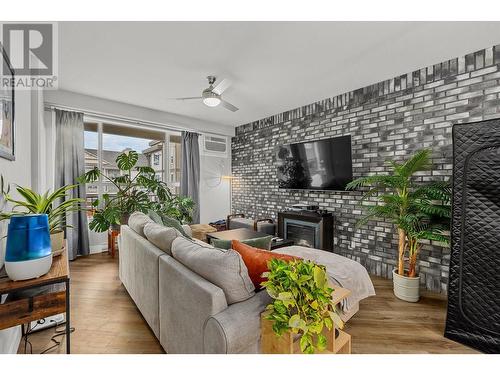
x=104, y=142
x=156, y=159
x=174, y=149
x=91, y=161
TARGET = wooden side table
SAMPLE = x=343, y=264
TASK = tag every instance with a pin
x=112, y=235
x=29, y=300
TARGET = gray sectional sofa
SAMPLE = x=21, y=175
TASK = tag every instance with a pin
x=204, y=301
x=186, y=312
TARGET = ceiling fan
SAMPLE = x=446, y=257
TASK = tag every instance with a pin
x=212, y=96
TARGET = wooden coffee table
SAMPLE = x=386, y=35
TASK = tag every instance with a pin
x=246, y=234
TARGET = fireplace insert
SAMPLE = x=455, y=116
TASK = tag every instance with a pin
x=307, y=228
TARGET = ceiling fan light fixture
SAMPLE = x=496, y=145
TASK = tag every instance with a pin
x=212, y=96
x=211, y=101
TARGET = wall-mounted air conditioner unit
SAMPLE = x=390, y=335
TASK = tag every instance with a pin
x=214, y=145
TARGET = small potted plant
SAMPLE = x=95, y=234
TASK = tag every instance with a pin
x=420, y=211
x=47, y=203
x=302, y=303
x=137, y=189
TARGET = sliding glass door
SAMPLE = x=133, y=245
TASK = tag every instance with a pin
x=159, y=150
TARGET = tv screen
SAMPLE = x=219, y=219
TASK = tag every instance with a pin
x=319, y=165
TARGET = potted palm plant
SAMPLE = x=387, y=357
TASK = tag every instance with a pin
x=56, y=205
x=420, y=211
x=137, y=189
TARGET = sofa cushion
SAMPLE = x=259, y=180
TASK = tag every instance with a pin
x=167, y=221
x=224, y=268
x=161, y=236
x=137, y=221
x=260, y=243
x=187, y=230
x=256, y=260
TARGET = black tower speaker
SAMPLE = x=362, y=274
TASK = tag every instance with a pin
x=474, y=285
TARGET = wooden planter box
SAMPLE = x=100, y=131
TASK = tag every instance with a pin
x=288, y=343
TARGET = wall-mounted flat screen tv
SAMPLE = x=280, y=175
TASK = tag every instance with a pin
x=325, y=164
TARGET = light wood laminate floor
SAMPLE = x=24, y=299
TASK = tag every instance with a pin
x=106, y=319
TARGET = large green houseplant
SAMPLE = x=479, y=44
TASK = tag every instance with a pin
x=420, y=211
x=55, y=204
x=302, y=302
x=137, y=189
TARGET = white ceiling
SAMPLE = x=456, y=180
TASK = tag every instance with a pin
x=275, y=66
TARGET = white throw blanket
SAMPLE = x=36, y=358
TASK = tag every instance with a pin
x=342, y=271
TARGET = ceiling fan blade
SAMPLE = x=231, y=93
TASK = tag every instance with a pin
x=189, y=98
x=222, y=86
x=228, y=105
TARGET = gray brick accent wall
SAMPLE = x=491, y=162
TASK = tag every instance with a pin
x=387, y=120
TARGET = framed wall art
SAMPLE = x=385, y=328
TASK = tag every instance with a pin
x=7, y=105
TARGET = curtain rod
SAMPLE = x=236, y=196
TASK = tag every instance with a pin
x=103, y=116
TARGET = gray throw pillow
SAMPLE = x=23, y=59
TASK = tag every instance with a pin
x=171, y=222
x=167, y=221
x=260, y=243
x=137, y=221
x=224, y=268
x=161, y=236
x=155, y=217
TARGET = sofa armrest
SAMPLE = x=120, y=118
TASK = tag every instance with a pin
x=237, y=328
x=186, y=301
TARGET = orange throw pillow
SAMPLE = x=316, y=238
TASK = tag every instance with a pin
x=256, y=260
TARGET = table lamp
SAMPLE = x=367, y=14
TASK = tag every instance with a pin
x=28, y=253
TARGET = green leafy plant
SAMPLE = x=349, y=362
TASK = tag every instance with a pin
x=177, y=207
x=56, y=205
x=138, y=189
x=302, y=302
x=420, y=211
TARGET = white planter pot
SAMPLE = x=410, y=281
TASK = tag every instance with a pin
x=406, y=288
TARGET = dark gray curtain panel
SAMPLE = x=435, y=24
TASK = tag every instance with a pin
x=70, y=164
x=190, y=173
